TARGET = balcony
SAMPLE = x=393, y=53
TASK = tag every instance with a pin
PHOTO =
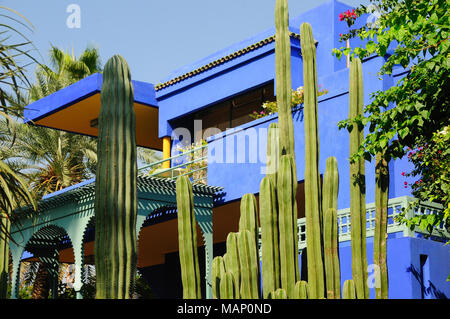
x=191, y=162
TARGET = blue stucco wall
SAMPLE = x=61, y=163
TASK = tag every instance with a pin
x=407, y=278
x=333, y=107
x=239, y=167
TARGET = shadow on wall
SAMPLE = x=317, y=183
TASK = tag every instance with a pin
x=428, y=289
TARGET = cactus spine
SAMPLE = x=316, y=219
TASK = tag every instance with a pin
x=187, y=236
x=313, y=203
x=115, y=189
x=381, y=211
x=357, y=185
x=330, y=231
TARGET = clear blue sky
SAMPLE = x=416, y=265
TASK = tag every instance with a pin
x=155, y=37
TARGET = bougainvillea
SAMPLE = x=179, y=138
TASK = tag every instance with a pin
x=431, y=174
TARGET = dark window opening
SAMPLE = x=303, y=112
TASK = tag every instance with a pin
x=229, y=113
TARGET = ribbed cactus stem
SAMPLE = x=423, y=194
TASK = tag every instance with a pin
x=331, y=257
x=313, y=199
x=380, y=234
x=270, y=247
x=187, y=238
x=349, y=290
x=278, y=294
x=249, y=221
x=249, y=215
x=287, y=189
x=227, y=290
x=283, y=78
x=217, y=270
x=357, y=185
x=330, y=191
x=248, y=259
x=115, y=188
x=232, y=263
x=301, y=290
x=273, y=153
x=4, y=254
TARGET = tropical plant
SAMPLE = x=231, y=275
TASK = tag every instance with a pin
x=405, y=119
x=297, y=99
x=13, y=190
x=236, y=273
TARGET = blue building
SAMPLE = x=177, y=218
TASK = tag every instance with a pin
x=213, y=100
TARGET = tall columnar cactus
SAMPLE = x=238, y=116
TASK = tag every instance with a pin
x=4, y=254
x=301, y=290
x=278, y=294
x=187, y=238
x=330, y=231
x=379, y=238
x=232, y=264
x=283, y=78
x=217, y=270
x=227, y=290
x=115, y=188
x=287, y=219
x=249, y=263
x=357, y=185
x=270, y=246
x=249, y=215
x=349, y=291
x=313, y=201
x=273, y=153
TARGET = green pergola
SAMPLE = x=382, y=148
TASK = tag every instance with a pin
x=69, y=212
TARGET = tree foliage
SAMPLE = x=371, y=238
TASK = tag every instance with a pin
x=412, y=116
x=412, y=35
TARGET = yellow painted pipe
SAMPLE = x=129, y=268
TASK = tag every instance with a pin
x=166, y=151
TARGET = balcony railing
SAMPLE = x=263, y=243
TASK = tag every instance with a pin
x=192, y=163
x=395, y=207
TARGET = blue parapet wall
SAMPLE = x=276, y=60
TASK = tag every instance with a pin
x=239, y=178
x=417, y=268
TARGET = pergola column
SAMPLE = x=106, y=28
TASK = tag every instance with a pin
x=78, y=251
x=16, y=253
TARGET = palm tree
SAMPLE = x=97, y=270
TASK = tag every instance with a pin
x=52, y=159
x=13, y=190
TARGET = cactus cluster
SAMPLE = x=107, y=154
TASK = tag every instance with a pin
x=115, y=187
x=237, y=273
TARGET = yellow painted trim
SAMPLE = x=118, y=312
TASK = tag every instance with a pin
x=166, y=150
